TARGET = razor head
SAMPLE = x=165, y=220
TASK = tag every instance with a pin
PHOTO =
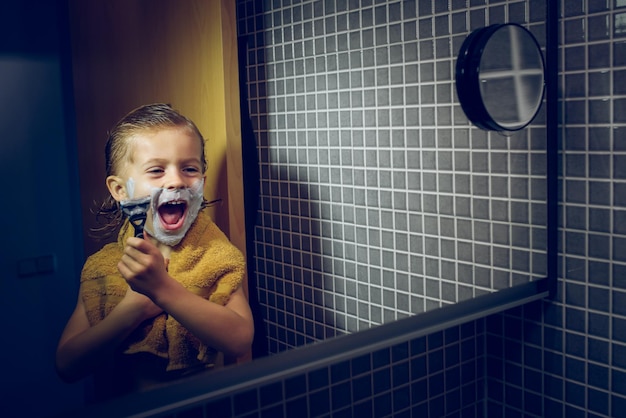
x=137, y=212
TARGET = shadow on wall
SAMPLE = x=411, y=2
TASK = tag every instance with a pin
x=250, y=164
x=284, y=287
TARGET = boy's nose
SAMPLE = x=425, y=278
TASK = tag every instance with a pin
x=174, y=181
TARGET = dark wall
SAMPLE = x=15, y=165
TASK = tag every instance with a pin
x=41, y=247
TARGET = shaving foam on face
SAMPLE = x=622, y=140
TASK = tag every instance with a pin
x=193, y=196
x=130, y=187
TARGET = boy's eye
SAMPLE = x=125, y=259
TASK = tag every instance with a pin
x=155, y=170
x=191, y=169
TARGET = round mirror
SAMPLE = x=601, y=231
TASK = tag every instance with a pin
x=500, y=77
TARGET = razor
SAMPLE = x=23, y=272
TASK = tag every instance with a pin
x=137, y=212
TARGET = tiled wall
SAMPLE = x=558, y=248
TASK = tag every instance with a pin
x=438, y=375
x=378, y=199
x=569, y=357
x=565, y=357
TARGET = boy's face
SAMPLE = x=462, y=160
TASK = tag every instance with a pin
x=166, y=159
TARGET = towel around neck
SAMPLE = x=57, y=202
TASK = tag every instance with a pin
x=205, y=262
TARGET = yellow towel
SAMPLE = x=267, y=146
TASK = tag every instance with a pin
x=205, y=262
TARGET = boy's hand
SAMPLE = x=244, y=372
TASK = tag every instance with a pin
x=143, y=266
x=146, y=309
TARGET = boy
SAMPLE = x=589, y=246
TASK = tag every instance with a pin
x=154, y=307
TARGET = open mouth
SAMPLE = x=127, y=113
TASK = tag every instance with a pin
x=172, y=214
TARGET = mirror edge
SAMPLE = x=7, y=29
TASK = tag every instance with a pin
x=200, y=389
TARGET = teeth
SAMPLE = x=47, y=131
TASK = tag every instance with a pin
x=174, y=202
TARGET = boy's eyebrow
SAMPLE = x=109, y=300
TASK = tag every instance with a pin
x=164, y=160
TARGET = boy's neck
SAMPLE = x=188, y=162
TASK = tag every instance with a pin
x=165, y=249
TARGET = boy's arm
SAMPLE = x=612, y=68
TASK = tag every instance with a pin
x=82, y=347
x=229, y=328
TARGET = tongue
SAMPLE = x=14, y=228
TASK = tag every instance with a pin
x=171, y=214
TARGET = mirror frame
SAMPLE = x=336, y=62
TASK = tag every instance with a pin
x=468, y=81
x=224, y=382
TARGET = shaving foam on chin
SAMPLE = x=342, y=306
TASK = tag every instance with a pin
x=193, y=196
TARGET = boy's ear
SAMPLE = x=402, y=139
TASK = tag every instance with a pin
x=117, y=188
